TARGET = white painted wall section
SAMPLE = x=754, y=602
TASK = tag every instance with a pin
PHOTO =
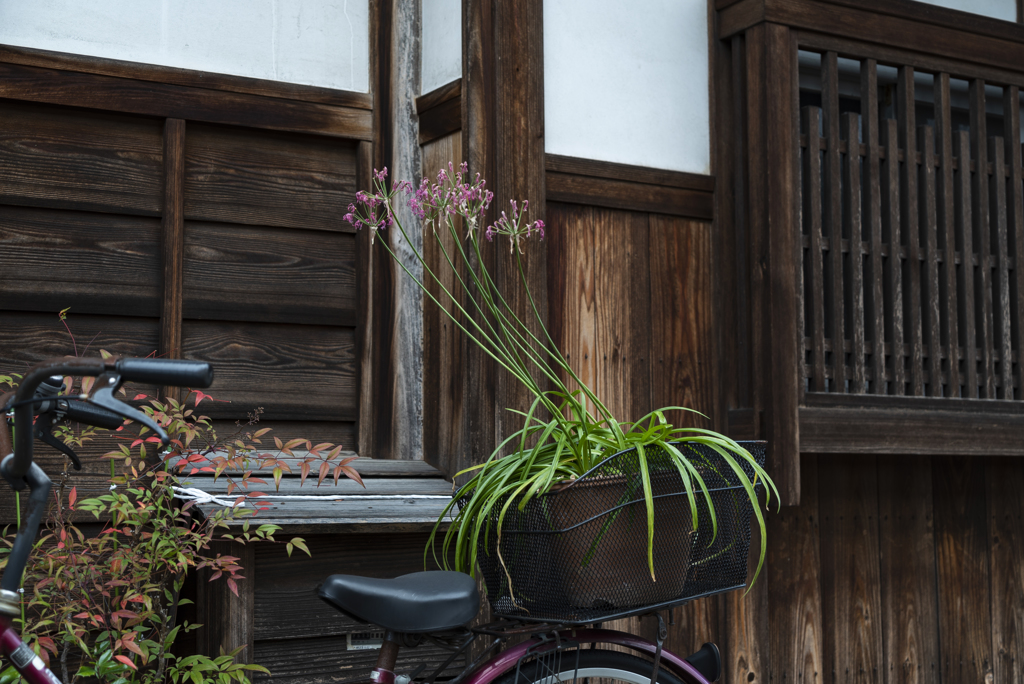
x=441, y=60
x=628, y=82
x=312, y=42
x=997, y=9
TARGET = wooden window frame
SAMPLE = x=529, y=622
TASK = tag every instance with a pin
x=765, y=36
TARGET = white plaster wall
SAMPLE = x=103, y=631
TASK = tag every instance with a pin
x=998, y=9
x=313, y=42
x=628, y=82
x=441, y=60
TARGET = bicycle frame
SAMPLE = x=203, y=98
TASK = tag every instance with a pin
x=552, y=639
x=505, y=661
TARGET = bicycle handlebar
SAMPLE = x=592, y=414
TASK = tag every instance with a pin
x=160, y=371
x=87, y=414
x=166, y=372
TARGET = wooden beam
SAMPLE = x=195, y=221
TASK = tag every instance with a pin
x=773, y=159
x=440, y=112
x=925, y=29
x=173, y=243
x=108, y=93
x=633, y=188
x=153, y=73
x=888, y=428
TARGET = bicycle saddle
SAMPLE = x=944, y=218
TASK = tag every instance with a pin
x=430, y=601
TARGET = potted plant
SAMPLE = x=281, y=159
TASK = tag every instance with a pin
x=566, y=433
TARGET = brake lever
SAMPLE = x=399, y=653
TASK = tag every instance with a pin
x=103, y=395
x=45, y=436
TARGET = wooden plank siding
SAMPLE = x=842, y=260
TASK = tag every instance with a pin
x=167, y=231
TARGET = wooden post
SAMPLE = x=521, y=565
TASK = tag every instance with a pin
x=503, y=138
x=775, y=248
x=173, y=243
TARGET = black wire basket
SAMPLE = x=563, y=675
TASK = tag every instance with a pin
x=579, y=554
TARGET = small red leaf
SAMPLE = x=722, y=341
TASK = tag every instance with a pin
x=72, y=497
x=126, y=660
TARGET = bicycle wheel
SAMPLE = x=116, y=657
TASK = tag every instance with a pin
x=593, y=667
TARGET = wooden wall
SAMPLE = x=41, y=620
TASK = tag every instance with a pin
x=897, y=570
x=212, y=236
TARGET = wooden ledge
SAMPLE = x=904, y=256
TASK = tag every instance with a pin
x=440, y=111
x=416, y=494
x=897, y=426
x=628, y=187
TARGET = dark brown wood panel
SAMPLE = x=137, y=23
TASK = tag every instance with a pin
x=336, y=432
x=849, y=547
x=27, y=338
x=271, y=275
x=1004, y=484
x=180, y=102
x=962, y=569
x=94, y=263
x=75, y=159
x=293, y=372
x=909, y=623
x=681, y=318
x=266, y=179
x=796, y=648
x=625, y=336
x=443, y=342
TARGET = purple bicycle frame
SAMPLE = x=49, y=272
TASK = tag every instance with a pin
x=504, y=662
x=22, y=657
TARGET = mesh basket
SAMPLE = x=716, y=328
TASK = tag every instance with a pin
x=579, y=555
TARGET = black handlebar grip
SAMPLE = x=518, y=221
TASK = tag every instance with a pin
x=88, y=414
x=175, y=372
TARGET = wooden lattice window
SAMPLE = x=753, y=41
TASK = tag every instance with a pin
x=912, y=231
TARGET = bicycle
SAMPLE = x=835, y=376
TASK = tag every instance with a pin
x=553, y=581
x=37, y=406
x=435, y=606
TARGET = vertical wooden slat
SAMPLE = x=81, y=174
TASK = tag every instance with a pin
x=965, y=235
x=911, y=231
x=680, y=335
x=365, y=273
x=783, y=251
x=907, y=553
x=793, y=577
x=962, y=569
x=931, y=323
x=850, y=593
x=855, y=267
x=756, y=222
x=744, y=356
x=1001, y=308
x=872, y=218
x=833, y=223
x=173, y=243
x=946, y=217
x=744, y=621
x=519, y=172
x=1004, y=483
x=894, y=269
x=982, y=236
x=812, y=218
x=1015, y=225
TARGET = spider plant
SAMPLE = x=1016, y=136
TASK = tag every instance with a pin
x=565, y=432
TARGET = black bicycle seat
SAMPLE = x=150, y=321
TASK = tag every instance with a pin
x=430, y=601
